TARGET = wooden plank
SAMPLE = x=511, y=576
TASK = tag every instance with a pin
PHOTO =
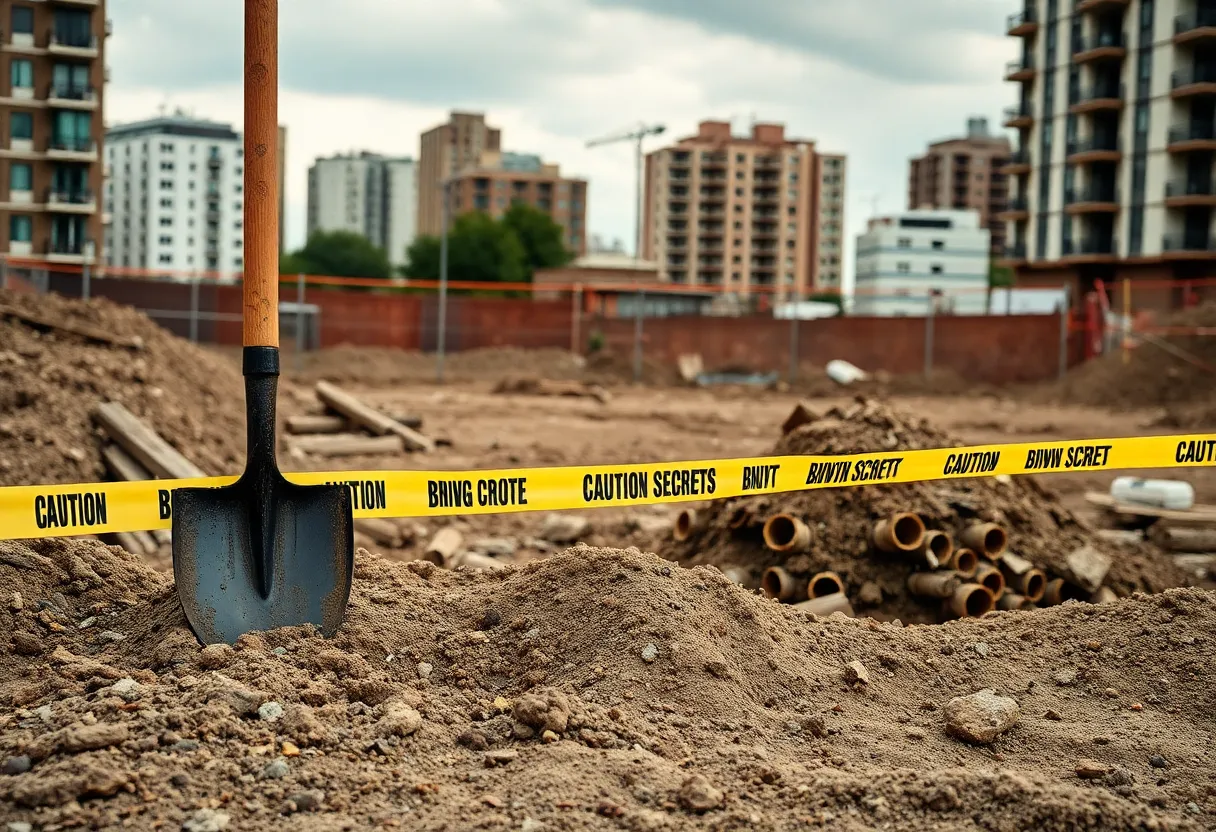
x=1190, y=541
x=91, y=333
x=384, y=532
x=131, y=543
x=310, y=423
x=414, y=422
x=149, y=542
x=373, y=420
x=1198, y=515
x=125, y=468
x=144, y=444
x=348, y=444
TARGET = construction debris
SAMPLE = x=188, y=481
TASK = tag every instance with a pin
x=375, y=422
x=532, y=386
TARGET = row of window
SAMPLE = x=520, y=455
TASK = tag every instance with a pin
x=904, y=267
x=65, y=78
x=69, y=130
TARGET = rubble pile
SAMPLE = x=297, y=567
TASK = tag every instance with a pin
x=830, y=533
x=596, y=689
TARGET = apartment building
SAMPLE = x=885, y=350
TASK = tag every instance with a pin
x=174, y=196
x=50, y=115
x=500, y=179
x=445, y=151
x=1116, y=130
x=753, y=213
x=966, y=172
x=369, y=194
x=922, y=260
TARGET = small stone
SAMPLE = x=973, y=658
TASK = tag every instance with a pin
x=1111, y=693
x=276, y=769
x=543, y=709
x=306, y=801
x=1091, y=769
x=399, y=720
x=279, y=651
x=17, y=765
x=180, y=780
x=215, y=656
x=1064, y=678
x=549, y=737
x=870, y=594
x=531, y=825
x=127, y=688
x=1194, y=808
x=500, y=758
x=27, y=644
x=16, y=602
x=289, y=749
x=493, y=800
x=1053, y=715
x=697, y=794
x=1136, y=706
x=425, y=669
x=19, y=826
x=522, y=732
x=44, y=713
x=1119, y=776
x=855, y=673
x=87, y=623
x=981, y=717
x=110, y=636
x=650, y=653
x=206, y=820
x=981, y=648
x=1157, y=761
x=270, y=712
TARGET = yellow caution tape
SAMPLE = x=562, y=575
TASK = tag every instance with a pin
x=99, y=508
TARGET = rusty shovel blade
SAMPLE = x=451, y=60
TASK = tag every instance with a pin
x=263, y=552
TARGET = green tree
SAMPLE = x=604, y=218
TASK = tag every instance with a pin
x=542, y=238
x=999, y=276
x=479, y=249
x=337, y=253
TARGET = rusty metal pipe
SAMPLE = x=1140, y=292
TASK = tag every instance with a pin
x=940, y=584
x=1059, y=590
x=1011, y=601
x=826, y=605
x=825, y=583
x=964, y=561
x=990, y=576
x=786, y=533
x=935, y=548
x=740, y=519
x=971, y=601
x=986, y=539
x=779, y=584
x=900, y=533
x=1032, y=584
x=688, y=522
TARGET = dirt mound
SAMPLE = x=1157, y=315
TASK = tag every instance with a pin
x=1166, y=371
x=347, y=364
x=1039, y=528
x=51, y=380
x=598, y=688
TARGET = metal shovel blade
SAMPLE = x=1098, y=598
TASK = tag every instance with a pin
x=263, y=552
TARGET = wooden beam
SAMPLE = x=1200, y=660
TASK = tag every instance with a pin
x=348, y=444
x=309, y=423
x=373, y=420
x=1197, y=514
x=125, y=468
x=144, y=444
x=384, y=532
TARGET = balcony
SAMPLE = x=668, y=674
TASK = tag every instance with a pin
x=1104, y=46
x=71, y=97
x=1099, y=97
x=764, y=231
x=1195, y=27
x=1018, y=208
x=1187, y=192
x=1091, y=250
x=1020, y=116
x=71, y=45
x=1019, y=162
x=1022, y=70
x=1188, y=247
x=1085, y=6
x=77, y=201
x=64, y=251
x=1195, y=81
x=767, y=196
x=72, y=150
x=1094, y=149
x=1022, y=24
x=1187, y=137
x=1094, y=199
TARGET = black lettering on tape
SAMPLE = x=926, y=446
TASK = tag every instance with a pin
x=164, y=503
x=71, y=510
x=449, y=493
x=759, y=477
x=502, y=492
x=971, y=462
x=617, y=485
x=875, y=470
x=1087, y=456
x=1043, y=459
x=1196, y=450
x=685, y=482
x=827, y=473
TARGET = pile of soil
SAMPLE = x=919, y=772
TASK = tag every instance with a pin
x=1039, y=528
x=597, y=689
x=50, y=382
x=1156, y=376
x=383, y=366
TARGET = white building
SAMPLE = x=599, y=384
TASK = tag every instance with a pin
x=173, y=196
x=906, y=259
x=369, y=194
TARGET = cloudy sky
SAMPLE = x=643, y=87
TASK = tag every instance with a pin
x=876, y=79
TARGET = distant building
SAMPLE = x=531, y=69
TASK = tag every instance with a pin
x=482, y=177
x=748, y=213
x=962, y=173
x=174, y=196
x=368, y=194
x=907, y=261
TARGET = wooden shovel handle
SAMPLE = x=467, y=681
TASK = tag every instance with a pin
x=261, y=283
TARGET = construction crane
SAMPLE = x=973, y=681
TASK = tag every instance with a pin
x=637, y=136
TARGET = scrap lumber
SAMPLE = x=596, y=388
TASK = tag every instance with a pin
x=91, y=333
x=144, y=444
x=373, y=420
x=349, y=444
x=414, y=422
x=309, y=423
x=132, y=544
x=444, y=547
x=384, y=532
x=1190, y=541
x=126, y=469
x=1204, y=515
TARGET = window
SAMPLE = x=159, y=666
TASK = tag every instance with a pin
x=166, y=165
x=939, y=244
x=20, y=228
x=20, y=177
x=165, y=258
x=21, y=72
x=936, y=268
x=165, y=222
x=166, y=184
x=21, y=126
x=903, y=268
x=166, y=147
x=166, y=203
x=165, y=241
x=72, y=130
x=23, y=20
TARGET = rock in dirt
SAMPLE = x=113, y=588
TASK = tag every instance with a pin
x=270, y=712
x=544, y=709
x=564, y=528
x=981, y=717
x=305, y=801
x=276, y=769
x=697, y=794
x=27, y=644
x=500, y=758
x=399, y=720
x=17, y=765
x=1091, y=769
x=78, y=738
x=1087, y=567
x=206, y=820
x=855, y=673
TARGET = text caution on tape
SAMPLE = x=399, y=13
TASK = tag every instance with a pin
x=98, y=508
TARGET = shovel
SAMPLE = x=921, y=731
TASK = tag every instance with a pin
x=263, y=552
